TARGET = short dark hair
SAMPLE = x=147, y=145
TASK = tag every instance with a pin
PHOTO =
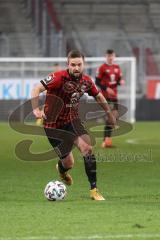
x=110, y=51
x=75, y=54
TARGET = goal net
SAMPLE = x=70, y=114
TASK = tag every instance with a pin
x=19, y=75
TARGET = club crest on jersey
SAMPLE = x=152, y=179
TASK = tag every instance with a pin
x=116, y=70
x=85, y=86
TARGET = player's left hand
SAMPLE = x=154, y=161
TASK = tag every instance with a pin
x=122, y=82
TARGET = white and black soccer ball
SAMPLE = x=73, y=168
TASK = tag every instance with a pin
x=55, y=190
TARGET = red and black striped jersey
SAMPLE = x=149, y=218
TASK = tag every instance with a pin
x=109, y=76
x=62, y=98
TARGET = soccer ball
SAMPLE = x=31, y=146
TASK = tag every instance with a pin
x=55, y=190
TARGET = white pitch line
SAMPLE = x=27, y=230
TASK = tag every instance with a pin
x=132, y=141
x=92, y=237
x=142, y=141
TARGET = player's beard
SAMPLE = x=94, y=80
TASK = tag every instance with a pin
x=76, y=75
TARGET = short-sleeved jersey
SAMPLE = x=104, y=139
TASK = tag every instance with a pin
x=63, y=95
x=109, y=76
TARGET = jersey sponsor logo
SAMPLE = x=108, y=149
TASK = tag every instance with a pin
x=112, y=78
x=75, y=98
x=76, y=90
x=70, y=86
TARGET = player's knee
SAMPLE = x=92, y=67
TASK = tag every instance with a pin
x=86, y=149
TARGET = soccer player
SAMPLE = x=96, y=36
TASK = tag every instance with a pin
x=61, y=121
x=108, y=78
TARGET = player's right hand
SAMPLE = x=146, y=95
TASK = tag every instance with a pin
x=39, y=113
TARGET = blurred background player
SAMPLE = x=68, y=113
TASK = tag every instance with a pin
x=108, y=78
x=56, y=68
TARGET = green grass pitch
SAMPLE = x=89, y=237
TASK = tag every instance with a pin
x=128, y=177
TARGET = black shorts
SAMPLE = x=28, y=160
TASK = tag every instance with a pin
x=62, y=139
x=113, y=103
